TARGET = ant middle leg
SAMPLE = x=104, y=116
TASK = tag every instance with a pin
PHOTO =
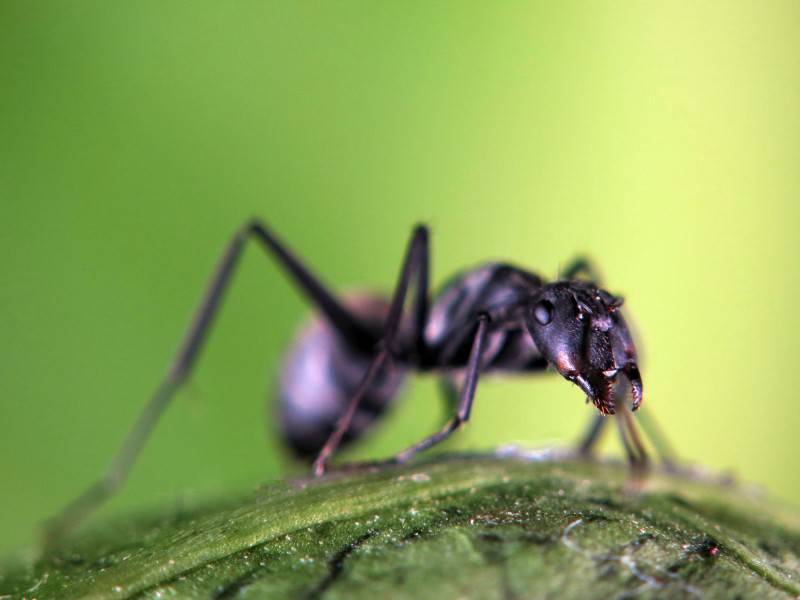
x=415, y=265
x=466, y=397
x=597, y=425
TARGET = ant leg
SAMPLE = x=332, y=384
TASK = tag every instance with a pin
x=335, y=438
x=582, y=265
x=345, y=322
x=634, y=449
x=592, y=435
x=415, y=263
x=466, y=397
x=657, y=438
x=342, y=320
x=598, y=422
x=650, y=427
x=630, y=453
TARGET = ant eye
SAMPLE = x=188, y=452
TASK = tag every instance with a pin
x=543, y=312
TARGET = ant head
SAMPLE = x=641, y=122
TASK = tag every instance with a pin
x=579, y=329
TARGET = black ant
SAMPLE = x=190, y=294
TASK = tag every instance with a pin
x=345, y=369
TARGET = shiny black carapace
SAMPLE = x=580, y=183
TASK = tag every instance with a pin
x=348, y=364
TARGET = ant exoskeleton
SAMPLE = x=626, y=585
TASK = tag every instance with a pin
x=345, y=369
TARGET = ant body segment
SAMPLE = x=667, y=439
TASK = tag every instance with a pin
x=346, y=367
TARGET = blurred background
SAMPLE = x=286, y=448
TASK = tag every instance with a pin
x=662, y=139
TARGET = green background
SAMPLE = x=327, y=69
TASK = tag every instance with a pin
x=663, y=139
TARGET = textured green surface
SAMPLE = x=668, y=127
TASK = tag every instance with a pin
x=660, y=138
x=483, y=527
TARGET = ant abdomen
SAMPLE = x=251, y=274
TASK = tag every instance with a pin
x=320, y=374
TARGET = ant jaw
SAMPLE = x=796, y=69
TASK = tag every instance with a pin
x=632, y=373
x=602, y=395
x=600, y=390
x=604, y=402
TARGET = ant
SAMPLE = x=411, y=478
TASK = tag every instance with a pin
x=345, y=369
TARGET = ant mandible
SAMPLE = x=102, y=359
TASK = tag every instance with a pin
x=344, y=369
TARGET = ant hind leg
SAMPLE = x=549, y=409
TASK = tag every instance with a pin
x=348, y=325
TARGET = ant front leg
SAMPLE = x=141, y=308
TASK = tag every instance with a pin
x=634, y=449
x=347, y=324
x=649, y=426
x=658, y=440
x=629, y=436
x=414, y=264
x=581, y=265
x=592, y=435
x=465, y=399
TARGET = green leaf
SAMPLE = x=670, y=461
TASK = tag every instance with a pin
x=481, y=526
